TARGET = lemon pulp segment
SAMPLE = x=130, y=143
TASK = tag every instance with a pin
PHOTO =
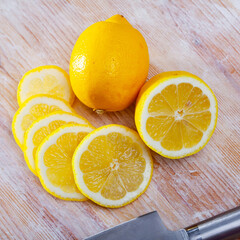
x=178, y=116
x=58, y=160
x=119, y=167
x=36, y=112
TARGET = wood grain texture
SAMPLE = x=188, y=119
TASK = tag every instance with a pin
x=198, y=36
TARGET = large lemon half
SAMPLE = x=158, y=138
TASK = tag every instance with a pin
x=176, y=114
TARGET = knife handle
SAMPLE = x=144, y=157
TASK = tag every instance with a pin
x=222, y=226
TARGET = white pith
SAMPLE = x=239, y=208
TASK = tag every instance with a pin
x=97, y=197
x=145, y=115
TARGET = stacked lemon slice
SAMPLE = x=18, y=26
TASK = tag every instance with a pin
x=41, y=128
x=44, y=96
x=112, y=166
x=54, y=161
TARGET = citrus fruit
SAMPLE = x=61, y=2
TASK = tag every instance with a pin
x=54, y=161
x=41, y=128
x=176, y=114
x=32, y=109
x=112, y=166
x=109, y=64
x=51, y=80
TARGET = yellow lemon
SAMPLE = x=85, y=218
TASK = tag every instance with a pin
x=112, y=166
x=109, y=64
x=176, y=114
x=50, y=79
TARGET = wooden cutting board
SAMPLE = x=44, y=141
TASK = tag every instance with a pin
x=198, y=36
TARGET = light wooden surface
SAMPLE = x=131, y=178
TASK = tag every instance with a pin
x=199, y=36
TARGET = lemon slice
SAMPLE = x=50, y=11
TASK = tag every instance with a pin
x=54, y=161
x=51, y=80
x=32, y=109
x=112, y=166
x=176, y=114
x=41, y=128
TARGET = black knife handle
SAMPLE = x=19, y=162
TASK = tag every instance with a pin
x=223, y=226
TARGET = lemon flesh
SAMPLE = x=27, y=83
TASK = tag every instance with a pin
x=112, y=166
x=54, y=161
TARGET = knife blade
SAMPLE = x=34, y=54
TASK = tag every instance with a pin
x=151, y=227
x=145, y=227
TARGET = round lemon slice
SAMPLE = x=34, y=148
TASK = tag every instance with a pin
x=176, y=114
x=32, y=109
x=112, y=166
x=51, y=80
x=54, y=161
x=41, y=128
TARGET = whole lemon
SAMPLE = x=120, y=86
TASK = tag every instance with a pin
x=109, y=64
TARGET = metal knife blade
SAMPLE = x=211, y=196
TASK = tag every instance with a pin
x=145, y=227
